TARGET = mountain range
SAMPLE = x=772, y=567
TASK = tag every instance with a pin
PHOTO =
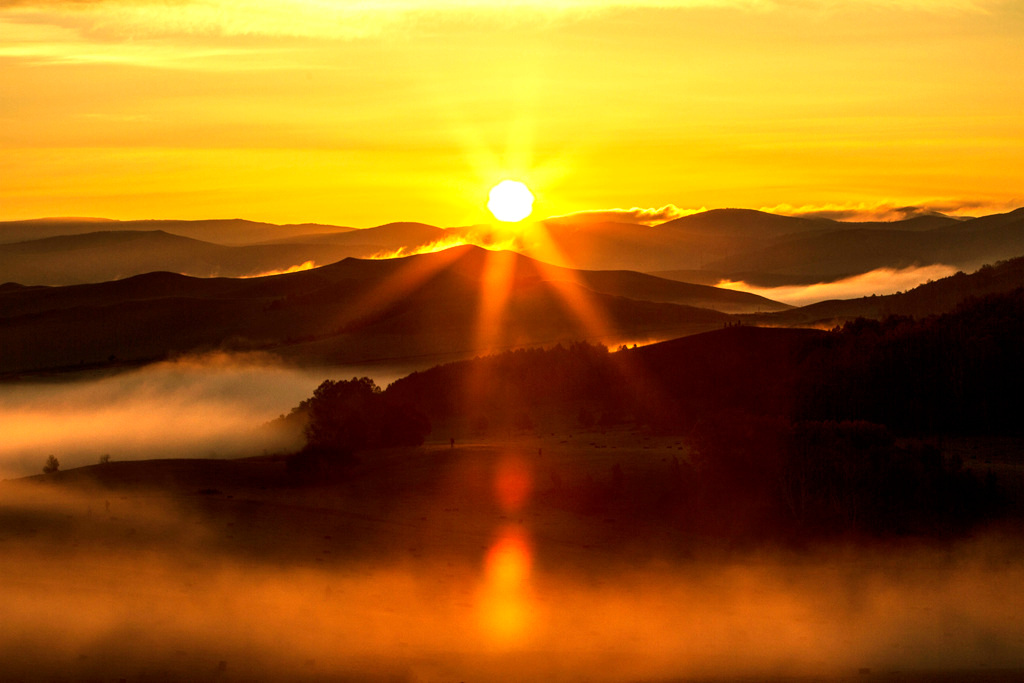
x=723, y=244
x=453, y=303
x=121, y=297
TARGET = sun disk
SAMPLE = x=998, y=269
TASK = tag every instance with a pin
x=510, y=201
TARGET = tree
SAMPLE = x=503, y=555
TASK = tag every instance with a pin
x=353, y=415
x=51, y=466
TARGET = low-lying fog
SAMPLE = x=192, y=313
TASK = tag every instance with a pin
x=881, y=282
x=131, y=607
x=200, y=406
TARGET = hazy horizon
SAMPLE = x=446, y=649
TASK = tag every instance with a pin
x=358, y=115
x=729, y=391
x=861, y=212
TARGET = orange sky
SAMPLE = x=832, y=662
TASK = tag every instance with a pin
x=361, y=113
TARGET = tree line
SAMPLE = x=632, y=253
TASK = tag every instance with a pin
x=796, y=431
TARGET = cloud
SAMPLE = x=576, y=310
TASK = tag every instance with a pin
x=881, y=281
x=635, y=215
x=355, y=20
x=478, y=238
x=153, y=586
x=214, y=405
x=892, y=211
x=305, y=265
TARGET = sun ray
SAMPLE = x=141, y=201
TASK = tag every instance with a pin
x=568, y=287
x=497, y=280
x=409, y=274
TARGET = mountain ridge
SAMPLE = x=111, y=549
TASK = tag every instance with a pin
x=739, y=244
x=351, y=309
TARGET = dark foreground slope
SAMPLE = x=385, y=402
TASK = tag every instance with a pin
x=794, y=431
x=953, y=373
x=724, y=536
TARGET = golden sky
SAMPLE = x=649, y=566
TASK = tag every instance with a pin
x=362, y=113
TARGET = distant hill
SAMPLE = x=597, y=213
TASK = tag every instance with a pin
x=771, y=250
x=102, y=256
x=931, y=298
x=436, y=305
x=723, y=244
x=383, y=238
x=690, y=242
x=848, y=249
x=226, y=232
x=111, y=251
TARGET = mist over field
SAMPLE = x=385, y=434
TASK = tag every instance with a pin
x=559, y=403
x=213, y=405
x=460, y=601
x=715, y=507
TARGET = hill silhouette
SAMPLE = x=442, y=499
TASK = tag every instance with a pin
x=428, y=307
x=838, y=252
x=940, y=296
x=231, y=232
x=228, y=248
x=102, y=256
x=721, y=244
x=350, y=311
x=368, y=241
x=759, y=247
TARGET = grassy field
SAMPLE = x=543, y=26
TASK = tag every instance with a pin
x=521, y=557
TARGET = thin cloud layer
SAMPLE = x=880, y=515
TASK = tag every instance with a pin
x=215, y=405
x=881, y=281
x=635, y=215
x=297, y=268
x=334, y=20
x=889, y=211
x=173, y=601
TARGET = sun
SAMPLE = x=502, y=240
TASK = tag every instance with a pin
x=510, y=201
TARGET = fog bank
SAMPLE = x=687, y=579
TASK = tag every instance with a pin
x=211, y=618
x=881, y=281
x=214, y=405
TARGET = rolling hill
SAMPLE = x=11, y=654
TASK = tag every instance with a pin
x=107, y=254
x=422, y=306
x=771, y=250
x=228, y=232
x=103, y=256
x=736, y=244
x=838, y=252
x=932, y=298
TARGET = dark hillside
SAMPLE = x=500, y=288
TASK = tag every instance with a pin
x=958, y=373
x=352, y=311
x=932, y=298
x=792, y=433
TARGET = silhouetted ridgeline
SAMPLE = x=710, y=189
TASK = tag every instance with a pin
x=515, y=388
x=791, y=431
x=958, y=373
x=932, y=298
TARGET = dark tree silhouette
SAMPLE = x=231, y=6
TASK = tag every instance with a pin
x=51, y=466
x=353, y=415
